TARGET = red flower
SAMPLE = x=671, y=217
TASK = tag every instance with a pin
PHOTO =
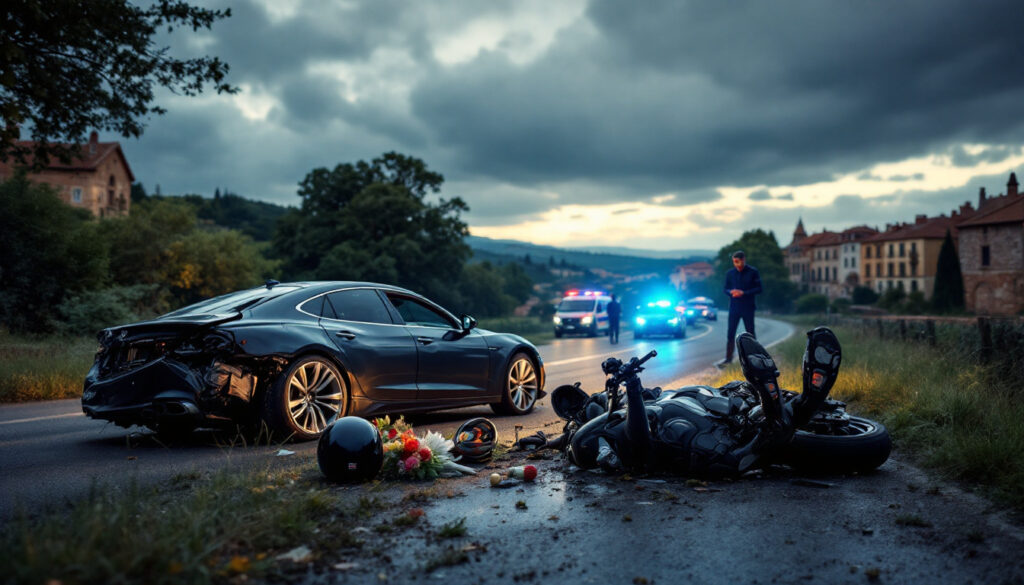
x=425, y=453
x=529, y=473
x=411, y=446
x=392, y=434
x=416, y=512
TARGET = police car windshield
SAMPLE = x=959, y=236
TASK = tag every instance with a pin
x=576, y=305
x=656, y=310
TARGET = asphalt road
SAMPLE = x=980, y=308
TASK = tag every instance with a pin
x=51, y=453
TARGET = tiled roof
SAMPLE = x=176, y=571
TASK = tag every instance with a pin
x=698, y=266
x=932, y=228
x=1009, y=210
x=824, y=239
x=89, y=159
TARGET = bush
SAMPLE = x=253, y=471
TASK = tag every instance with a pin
x=892, y=299
x=863, y=295
x=89, y=312
x=841, y=305
x=812, y=303
x=915, y=303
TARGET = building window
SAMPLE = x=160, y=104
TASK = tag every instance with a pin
x=867, y=250
x=76, y=194
x=890, y=250
x=913, y=286
x=899, y=283
x=903, y=251
x=903, y=269
x=913, y=247
x=891, y=271
x=846, y=262
x=853, y=262
x=867, y=270
x=985, y=256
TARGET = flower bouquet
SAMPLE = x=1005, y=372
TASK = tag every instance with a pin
x=410, y=457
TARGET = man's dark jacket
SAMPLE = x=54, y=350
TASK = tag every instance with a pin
x=614, y=310
x=748, y=281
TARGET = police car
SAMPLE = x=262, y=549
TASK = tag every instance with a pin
x=658, y=318
x=582, y=312
x=703, y=307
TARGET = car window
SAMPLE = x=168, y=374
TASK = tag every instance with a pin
x=600, y=307
x=231, y=302
x=416, y=313
x=576, y=305
x=356, y=304
x=313, y=306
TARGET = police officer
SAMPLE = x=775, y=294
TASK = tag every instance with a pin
x=742, y=282
x=614, y=310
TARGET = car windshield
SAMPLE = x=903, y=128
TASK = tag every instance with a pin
x=656, y=310
x=702, y=302
x=576, y=305
x=230, y=302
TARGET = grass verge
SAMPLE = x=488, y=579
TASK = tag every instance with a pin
x=953, y=415
x=190, y=531
x=45, y=368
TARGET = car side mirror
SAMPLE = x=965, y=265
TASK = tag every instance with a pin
x=468, y=322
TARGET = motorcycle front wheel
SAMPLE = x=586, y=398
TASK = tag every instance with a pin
x=863, y=446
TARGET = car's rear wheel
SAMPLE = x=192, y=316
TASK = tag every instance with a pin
x=306, y=398
x=522, y=386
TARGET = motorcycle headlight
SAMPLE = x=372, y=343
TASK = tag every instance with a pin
x=641, y=321
x=587, y=320
x=557, y=320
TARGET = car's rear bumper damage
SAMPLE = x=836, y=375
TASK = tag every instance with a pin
x=167, y=390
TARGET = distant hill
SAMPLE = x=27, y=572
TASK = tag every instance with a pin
x=253, y=218
x=638, y=262
x=640, y=252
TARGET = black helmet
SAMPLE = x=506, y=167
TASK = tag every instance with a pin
x=475, y=440
x=350, y=450
x=568, y=400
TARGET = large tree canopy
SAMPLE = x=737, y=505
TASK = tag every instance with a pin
x=68, y=67
x=372, y=221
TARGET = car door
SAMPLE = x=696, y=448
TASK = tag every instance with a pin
x=380, y=353
x=451, y=363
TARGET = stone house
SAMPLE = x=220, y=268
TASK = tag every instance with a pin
x=906, y=255
x=991, y=253
x=100, y=180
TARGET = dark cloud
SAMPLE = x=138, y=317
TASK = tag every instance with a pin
x=760, y=195
x=625, y=104
x=786, y=197
x=996, y=154
x=901, y=178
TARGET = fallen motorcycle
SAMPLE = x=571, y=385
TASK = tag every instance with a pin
x=701, y=430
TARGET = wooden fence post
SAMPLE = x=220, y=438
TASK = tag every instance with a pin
x=903, y=329
x=929, y=328
x=985, y=331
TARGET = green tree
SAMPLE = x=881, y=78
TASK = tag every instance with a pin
x=48, y=250
x=482, y=292
x=863, y=295
x=763, y=252
x=948, y=292
x=70, y=67
x=371, y=221
x=518, y=284
x=139, y=242
x=207, y=263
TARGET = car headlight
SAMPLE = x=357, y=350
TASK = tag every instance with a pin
x=557, y=320
x=641, y=321
x=689, y=311
x=587, y=320
x=673, y=321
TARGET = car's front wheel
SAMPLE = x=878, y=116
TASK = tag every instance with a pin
x=522, y=386
x=305, y=398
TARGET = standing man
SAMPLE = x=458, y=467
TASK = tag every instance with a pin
x=614, y=311
x=742, y=282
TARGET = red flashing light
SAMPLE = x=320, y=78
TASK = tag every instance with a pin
x=572, y=293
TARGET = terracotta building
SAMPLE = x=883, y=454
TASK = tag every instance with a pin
x=991, y=253
x=100, y=180
x=906, y=255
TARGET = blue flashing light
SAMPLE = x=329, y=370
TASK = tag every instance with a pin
x=641, y=321
x=663, y=303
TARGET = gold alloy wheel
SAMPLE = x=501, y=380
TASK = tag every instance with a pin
x=522, y=384
x=316, y=394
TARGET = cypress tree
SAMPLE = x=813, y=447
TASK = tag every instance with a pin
x=948, y=294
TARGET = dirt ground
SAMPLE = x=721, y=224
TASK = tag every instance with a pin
x=892, y=526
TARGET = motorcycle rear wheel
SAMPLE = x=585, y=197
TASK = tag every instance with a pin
x=866, y=446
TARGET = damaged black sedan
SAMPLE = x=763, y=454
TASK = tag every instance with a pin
x=296, y=356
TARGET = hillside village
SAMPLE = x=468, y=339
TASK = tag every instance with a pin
x=989, y=239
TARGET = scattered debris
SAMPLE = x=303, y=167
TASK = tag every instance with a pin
x=521, y=505
x=345, y=566
x=299, y=554
x=284, y=452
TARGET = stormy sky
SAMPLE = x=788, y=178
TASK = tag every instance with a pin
x=661, y=124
